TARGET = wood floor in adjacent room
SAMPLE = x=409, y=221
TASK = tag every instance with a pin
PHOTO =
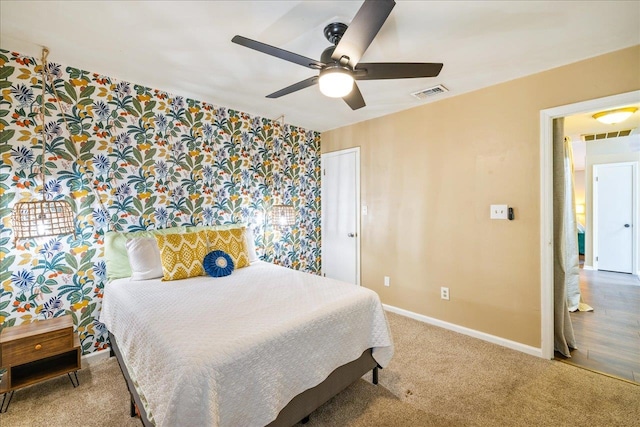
x=608, y=337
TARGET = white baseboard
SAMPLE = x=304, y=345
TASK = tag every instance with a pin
x=95, y=357
x=534, y=351
x=588, y=267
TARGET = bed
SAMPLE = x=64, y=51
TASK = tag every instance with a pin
x=265, y=345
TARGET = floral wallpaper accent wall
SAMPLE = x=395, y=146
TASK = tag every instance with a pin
x=156, y=160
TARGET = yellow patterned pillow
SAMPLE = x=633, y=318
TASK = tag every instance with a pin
x=232, y=242
x=182, y=254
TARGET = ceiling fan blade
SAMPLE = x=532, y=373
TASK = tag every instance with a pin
x=294, y=87
x=395, y=70
x=354, y=99
x=278, y=53
x=362, y=30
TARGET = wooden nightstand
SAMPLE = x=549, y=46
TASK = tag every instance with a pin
x=38, y=351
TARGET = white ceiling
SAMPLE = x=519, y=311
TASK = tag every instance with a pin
x=185, y=47
x=584, y=124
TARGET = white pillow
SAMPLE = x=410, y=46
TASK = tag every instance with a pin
x=144, y=257
x=251, y=244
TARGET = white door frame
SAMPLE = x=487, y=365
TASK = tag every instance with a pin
x=546, y=202
x=324, y=156
x=634, y=213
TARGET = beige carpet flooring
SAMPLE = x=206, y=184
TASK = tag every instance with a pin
x=436, y=378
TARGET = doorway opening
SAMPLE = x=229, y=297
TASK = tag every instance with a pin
x=607, y=331
x=592, y=283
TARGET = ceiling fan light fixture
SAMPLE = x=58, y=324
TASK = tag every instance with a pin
x=337, y=65
x=615, y=116
x=336, y=81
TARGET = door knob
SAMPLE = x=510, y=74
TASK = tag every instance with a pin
x=627, y=226
x=351, y=235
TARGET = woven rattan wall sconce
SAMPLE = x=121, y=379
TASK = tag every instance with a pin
x=283, y=216
x=44, y=217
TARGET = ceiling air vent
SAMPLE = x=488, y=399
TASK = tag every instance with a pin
x=606, y=135
x=425, y=93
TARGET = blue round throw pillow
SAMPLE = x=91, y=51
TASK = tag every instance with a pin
x=218, y=264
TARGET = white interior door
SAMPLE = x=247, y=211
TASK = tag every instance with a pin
x=340, y=207
x=614, y=199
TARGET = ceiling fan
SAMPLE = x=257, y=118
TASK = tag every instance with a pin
x=340, y=64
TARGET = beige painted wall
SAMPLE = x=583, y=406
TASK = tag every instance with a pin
x=428, y=176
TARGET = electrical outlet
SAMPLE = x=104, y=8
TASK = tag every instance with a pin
x=386, y=280
x=444, y=293
x=499, y=212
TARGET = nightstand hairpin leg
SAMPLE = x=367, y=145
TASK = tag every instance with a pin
x=75, y=374
x=4, y=408
x=133, y=408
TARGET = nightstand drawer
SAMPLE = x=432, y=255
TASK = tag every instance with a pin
x=36, y=347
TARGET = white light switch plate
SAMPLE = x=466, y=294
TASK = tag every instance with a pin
x=499, y=212
x=364, y=210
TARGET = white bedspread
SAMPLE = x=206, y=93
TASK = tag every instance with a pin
x=234, y=351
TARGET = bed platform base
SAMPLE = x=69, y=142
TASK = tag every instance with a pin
x=298, y=409
x=137, y=408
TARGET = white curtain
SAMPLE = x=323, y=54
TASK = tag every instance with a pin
x=571, y=238
x=565, y=241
